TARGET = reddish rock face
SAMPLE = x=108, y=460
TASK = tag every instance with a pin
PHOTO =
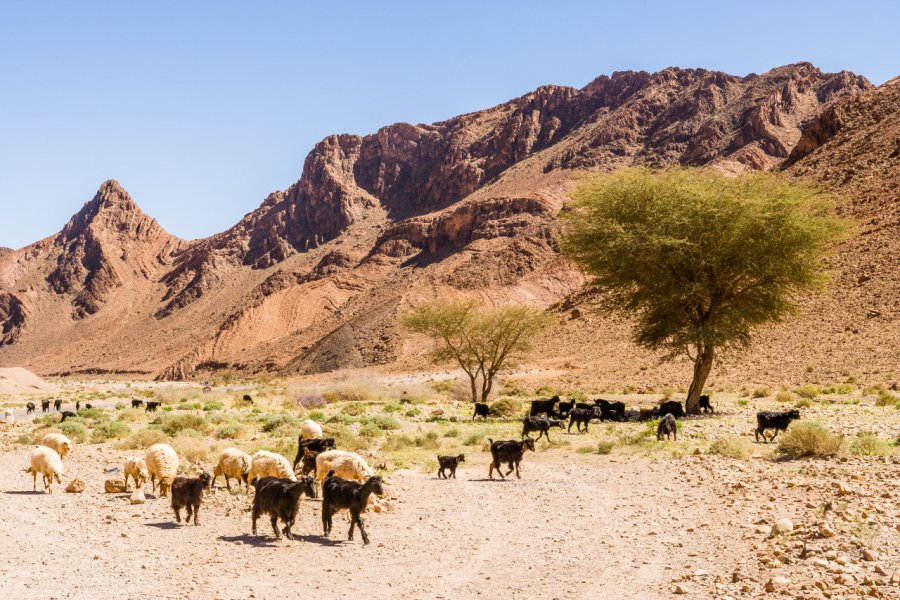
x=315, y=277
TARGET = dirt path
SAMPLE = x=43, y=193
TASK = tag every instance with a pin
x=573, y=527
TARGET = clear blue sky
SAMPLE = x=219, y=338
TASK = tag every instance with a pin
x=202, y=108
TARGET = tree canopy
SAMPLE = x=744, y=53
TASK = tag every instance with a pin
x=700, y=258
x=482, y=342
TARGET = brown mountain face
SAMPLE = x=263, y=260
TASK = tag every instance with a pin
x=315, y=277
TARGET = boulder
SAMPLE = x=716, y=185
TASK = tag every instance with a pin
x=76, y=486
x=114, y=486
x=137, y=497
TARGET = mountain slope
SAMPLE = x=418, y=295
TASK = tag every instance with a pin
x=315, y=277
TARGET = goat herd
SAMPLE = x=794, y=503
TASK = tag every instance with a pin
x=346, y=480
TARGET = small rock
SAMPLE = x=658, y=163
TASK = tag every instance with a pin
x=825, y=531
x=777, y=583
x=114, y=486
x=680, y=590
x=869, y=555
x=781, y=527
x=76, y=486
x=137, y=497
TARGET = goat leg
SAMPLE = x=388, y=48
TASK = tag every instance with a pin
x=197, y=515
x=177, y=513
x=275, y=526
x=362, y=530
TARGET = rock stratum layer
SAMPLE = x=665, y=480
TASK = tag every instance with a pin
x=315, y=278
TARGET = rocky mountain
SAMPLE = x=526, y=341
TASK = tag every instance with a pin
x=315, y=277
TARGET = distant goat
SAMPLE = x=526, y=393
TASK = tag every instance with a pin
x=67, y=414
x=667, y=427
x=672, y=407
x=449, y=463
x=248, y=398
x=581, y=417
x=564, y=408
x=187, y=492
x=45, y=406
x=77, y=405
x=543, y=407
x=610, y=411
x=29, y=408
x=88, y=406
x=539, y=424
x=57, y=405
x=648, y=412
x=151, y=406
x=509, y=452
x=777, y=420
x=136, y=403
x=705, y=405
x=481, y=410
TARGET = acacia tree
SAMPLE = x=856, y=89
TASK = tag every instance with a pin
x=483, y=342
x=698, y=257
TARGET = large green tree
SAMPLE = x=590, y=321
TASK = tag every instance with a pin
x=700, y=258
x=481, y=341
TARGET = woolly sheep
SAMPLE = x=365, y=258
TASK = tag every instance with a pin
x=58, y=442
x=136, y=468
x=47, y=462
x=270, y=464
x=310, y=430
x=162, y=464
x=347, y=465
x=232, y=463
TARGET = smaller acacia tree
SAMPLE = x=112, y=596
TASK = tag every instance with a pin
x=700, y=258
x=483, y=342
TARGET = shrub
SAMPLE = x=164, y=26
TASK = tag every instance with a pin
x=392, y=407
x=742, y=402
x=869, y=444
x=506, y=407
x=354, y=409
x=212, y=406
x=732, y=447
x=667, y=394
x=385, y=422
x=132, y=415
x=838, y=388
x=192, y=449
x=886, y=399
x=803, y=403
x=809, y=391
x=413, y=412
x=875, y=389
x=512, y=388
x=428, y=442
x=605, y=446
x=761, y=392
x=474, y=439
x=172, y=424
x=269, y=423
x=809, y=438
x=94, y=414
x=370, y=430
x=189, y=406
x=142, y=439
x=231, y=431
x=317, y=416
x=109, y=430
x=77, y=432
x=309, y=401
x=451, y=433
x=784, y=396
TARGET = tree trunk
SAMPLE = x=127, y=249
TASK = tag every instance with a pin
x=702, y=367
x=472, y=379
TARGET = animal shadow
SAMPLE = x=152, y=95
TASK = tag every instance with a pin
x=164, y=525
x=22, y=492
x=257, y=541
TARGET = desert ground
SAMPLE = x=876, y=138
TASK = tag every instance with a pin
x=609, y=513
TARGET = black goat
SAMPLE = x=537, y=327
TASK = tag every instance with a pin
x=610, y=411
x=88, y=406
x=667, y=427
x=543, y=407
x=67, y=414
x=29, y=408
x=45, y=406
x=136, y=403
x=280, y=499
x=187, y=492
x=672, y=407
x=57, y=405
x=339, y=494
x=449, y=463
x=647, y=412
x=509, y=452
x=77, y=405
x=585, y=406
x=581, y=416
x=313, y=444
x=248, y=398
x=772, y=419
x=481, y=410
x=564, y=408
x=705, y=406
x=539, y=424
x=308, y=461
x=151, y=406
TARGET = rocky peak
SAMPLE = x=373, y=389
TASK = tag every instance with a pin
x=111, y=210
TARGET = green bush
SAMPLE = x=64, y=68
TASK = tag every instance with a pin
x=869, y=444
x=132, y=415
x=413, y=412
x=354, y=409
x=474, y=439
x=784, y=396
x=189, y=406
x=809, y=438
x=212, y=406
x=732, y=447
x=803, y=403
x=94, y=414
x=385, y=422
x=269, y=423
x=392, y=407
x=75, y=431
x=371, y=430
x=809, y=391
x=143, y=439
x=761, y=392
x=605, y=446
x=506, y=407
x=838, y=388
x=109, y=430
x=231, y=431
x=172, y=424
x=451, y=433
x=886, y=399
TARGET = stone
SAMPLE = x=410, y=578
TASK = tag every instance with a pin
x=137, y=497
x=76, y=486
x=781, y=527
x=869, y=555
x=114, y=486
x=777, y=583
x=680, y=590
x=825, y=531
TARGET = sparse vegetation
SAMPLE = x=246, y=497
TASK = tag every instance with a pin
x=732, y=447
x=761, y=392
x=810, y=439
